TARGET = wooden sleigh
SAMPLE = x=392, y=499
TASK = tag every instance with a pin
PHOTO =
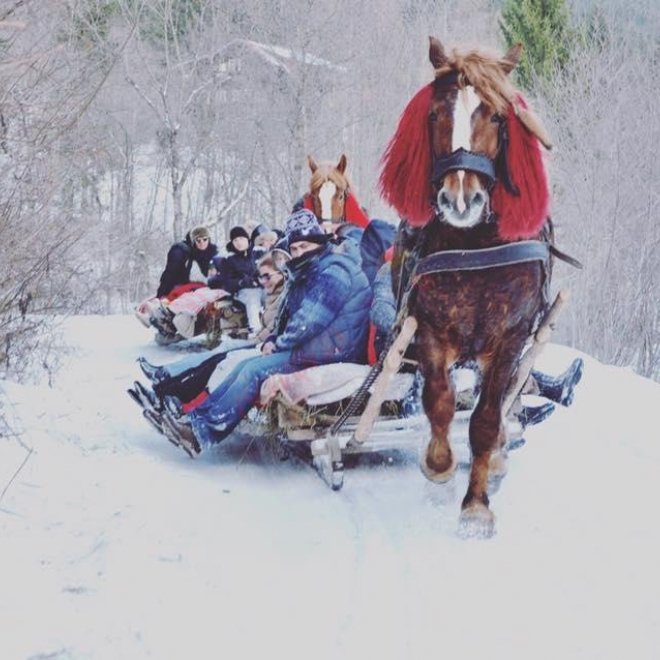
x=325, y=437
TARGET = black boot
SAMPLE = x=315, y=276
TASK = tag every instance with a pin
x=155, y=374
x=529, y=415
x=180, y=434
x=145, y=397
x=561, y=389
x=154, y=420
x=135, y=396
x=173, y=406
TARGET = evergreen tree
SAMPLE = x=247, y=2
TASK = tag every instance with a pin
x=543, y=27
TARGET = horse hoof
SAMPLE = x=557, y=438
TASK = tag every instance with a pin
x=437, y=476
x=476, y=522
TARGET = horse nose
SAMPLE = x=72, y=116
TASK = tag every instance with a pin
x=461, y=203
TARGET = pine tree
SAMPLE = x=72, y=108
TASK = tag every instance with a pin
x=543, y=27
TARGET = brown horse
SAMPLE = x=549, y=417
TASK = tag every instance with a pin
x=465, y=171
x=330, y=196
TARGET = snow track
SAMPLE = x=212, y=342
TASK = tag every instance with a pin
x=115, y=545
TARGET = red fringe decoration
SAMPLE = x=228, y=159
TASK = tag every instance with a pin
x=521, y=217
x=353, y=212
x=406, y=164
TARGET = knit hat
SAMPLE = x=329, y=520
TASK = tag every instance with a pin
x=236, y=232
x=199, y=232
x=303, y=226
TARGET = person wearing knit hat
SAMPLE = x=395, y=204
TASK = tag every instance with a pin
x=236, y=243
x=303, y=226
x=238, y=275
x=323, y=319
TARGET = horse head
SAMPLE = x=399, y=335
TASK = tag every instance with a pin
x=466, y=148
x=328, y=189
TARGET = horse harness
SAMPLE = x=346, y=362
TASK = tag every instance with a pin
x=462, y=159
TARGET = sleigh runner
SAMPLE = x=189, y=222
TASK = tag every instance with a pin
x=307, y=408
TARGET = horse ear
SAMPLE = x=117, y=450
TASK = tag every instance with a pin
x=511, y=59
x=341, y=165
x=312, y=164
x=436, y=53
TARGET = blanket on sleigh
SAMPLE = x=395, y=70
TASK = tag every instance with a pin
x=326, y=384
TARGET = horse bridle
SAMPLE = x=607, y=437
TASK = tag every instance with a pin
x=492, y=169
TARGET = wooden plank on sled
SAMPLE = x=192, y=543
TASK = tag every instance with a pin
x=391, y=366
x=541, y=338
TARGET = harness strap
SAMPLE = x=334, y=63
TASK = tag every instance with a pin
x=461, y=159
x=566, y=257
x=500, y=255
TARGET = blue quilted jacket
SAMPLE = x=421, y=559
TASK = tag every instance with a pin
x=326, y=310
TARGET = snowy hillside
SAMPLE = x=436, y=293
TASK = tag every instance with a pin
x=113, y=544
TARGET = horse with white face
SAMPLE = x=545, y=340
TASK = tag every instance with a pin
x=328, y=189
x=464, y=170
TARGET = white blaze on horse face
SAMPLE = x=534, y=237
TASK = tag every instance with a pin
x=326, y=194
x=458, y=206
x=467, y=102
x=460, y=199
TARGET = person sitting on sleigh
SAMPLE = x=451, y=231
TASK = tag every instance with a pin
x=190, y=378
x=324, y=319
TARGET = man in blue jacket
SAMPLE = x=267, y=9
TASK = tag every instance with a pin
x=324, y=319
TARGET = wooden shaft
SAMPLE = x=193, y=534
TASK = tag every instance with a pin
x=391, y=366
x=541, y=338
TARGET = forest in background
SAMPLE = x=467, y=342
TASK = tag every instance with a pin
x=125, y=122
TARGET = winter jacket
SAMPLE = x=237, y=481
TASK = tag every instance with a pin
x=237, y=271
x=326, y=309
x=180, y=259
x=383, y=306
x=269, y=313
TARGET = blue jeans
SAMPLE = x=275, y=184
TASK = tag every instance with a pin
x=195, y=359
x=219, y=415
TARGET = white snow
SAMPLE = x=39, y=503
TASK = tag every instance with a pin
x=114, y=544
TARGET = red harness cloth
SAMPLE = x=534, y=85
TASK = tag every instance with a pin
x=353, y=212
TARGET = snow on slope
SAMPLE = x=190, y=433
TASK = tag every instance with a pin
x=113, y=544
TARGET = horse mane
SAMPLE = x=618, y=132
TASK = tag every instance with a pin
x=405, y=181
x=486, y=72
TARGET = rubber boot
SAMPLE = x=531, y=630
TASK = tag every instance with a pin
x=155, y=374
x=529, y=416
x=561, y=389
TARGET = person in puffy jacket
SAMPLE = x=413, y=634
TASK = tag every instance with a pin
x=324, y=319
x=237, y=274
x=187, y=261
x=262, y=239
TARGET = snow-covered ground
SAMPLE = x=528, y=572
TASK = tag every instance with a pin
x=114, y=544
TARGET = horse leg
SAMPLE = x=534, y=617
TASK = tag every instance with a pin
x=488, y=438
x=438, y=463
